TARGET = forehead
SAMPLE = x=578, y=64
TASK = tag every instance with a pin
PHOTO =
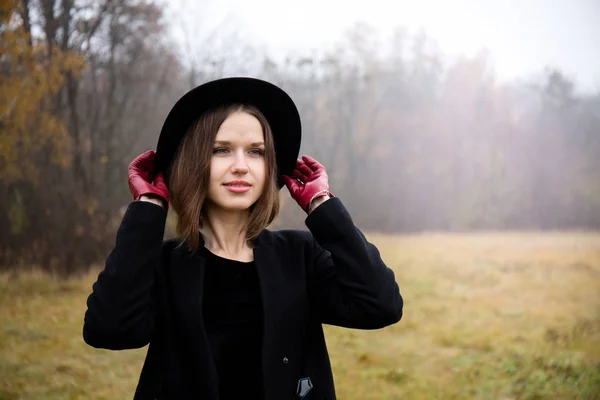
x=240, y=126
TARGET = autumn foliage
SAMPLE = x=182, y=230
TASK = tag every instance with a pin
x=31, y=121
x=61, y=105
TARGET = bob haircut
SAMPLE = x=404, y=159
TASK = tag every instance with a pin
x=189, y=176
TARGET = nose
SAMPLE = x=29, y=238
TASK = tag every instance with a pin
x=239, y=166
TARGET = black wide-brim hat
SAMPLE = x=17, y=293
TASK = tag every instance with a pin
x=275, y=104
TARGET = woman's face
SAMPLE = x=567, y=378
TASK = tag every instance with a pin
x=237, y=167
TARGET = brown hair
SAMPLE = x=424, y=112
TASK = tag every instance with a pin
x=189, y=176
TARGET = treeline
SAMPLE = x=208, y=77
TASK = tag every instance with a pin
x=411, y=141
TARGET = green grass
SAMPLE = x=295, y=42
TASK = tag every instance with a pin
x=488, y=316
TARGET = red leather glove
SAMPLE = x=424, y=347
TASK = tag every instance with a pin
x=141, y=175
x=308, y=181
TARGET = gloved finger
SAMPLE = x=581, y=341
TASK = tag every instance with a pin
x=144, y=158
x=141, y=171
x=159, y=180
x=299, y=162
x=290, y=183
x=312, y=163
x=149, y=155
x=299, y=175
x=149, y=164
x=145, y=162
x=306, y=171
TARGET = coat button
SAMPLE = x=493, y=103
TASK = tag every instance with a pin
x=285, y=360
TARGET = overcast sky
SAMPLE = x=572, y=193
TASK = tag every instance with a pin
x=521, y=36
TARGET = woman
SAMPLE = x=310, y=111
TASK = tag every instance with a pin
x=231, y=309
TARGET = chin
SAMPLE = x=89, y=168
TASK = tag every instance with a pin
x=238, y=205
x=235, y=207
x=224, y=200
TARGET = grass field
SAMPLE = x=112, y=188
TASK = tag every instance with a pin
x=486, y=316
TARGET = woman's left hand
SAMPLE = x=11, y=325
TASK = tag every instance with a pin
x=308, y=181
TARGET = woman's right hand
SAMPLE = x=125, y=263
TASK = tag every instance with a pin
x=141, y=176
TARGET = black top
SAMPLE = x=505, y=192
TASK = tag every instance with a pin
x=234, y=323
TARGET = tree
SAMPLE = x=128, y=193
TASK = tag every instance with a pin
x=30, y=77
x=74, y=129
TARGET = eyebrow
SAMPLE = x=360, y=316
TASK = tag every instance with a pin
x=227, y=142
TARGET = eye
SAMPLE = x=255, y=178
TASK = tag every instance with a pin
x=220, y=150
x=258, y=152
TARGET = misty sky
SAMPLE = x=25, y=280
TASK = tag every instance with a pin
x=521, y=36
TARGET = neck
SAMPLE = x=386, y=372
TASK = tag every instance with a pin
x=223, y=231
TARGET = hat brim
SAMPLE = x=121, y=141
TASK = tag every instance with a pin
x=275, y=104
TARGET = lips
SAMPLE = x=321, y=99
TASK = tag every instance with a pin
x=237, y=184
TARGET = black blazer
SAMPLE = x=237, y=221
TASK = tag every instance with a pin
x=150, y=292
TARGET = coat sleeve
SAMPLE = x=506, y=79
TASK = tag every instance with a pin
x=350, y=284
x=121, y=308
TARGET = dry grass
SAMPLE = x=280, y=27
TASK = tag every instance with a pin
x=487, y=316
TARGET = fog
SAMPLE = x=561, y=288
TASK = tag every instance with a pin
x=474, y=117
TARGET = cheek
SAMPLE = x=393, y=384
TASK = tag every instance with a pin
x=215, y=172
x=261, y=171
x=218, y=166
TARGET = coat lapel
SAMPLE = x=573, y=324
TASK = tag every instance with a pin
x=284, y=316
x=267, y=261
x=187, y=278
